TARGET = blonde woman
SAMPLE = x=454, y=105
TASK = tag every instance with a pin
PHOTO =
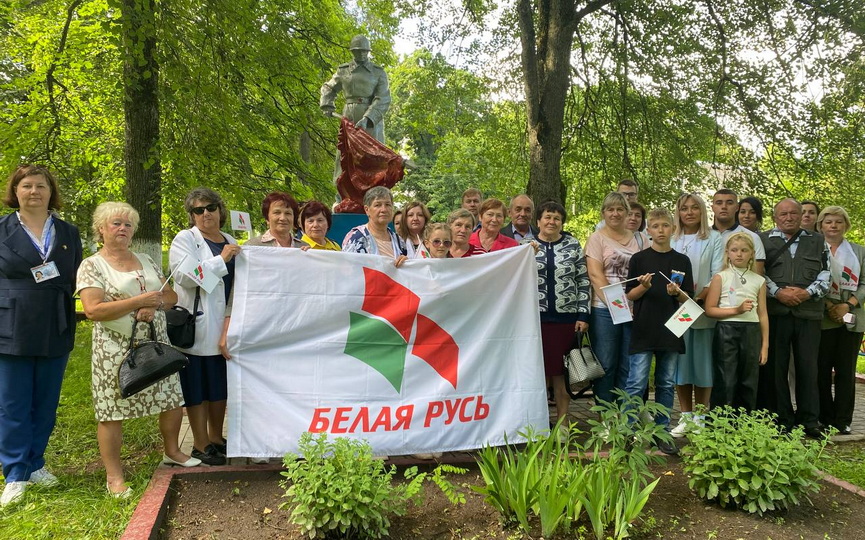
x=118, y=288
x=703, y=246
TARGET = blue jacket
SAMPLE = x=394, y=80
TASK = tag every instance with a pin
x=37, y=319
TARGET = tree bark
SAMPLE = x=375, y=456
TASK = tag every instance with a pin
x=141, y=114
x=547, y=29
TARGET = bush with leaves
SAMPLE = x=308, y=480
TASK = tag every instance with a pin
x=744, y=460
x=338, y=490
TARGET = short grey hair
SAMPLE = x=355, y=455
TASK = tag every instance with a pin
x=208, y=196
x=378, y=192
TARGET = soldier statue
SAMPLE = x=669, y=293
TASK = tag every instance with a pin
x=365, y=88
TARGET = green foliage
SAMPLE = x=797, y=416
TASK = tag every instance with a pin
x=541, y=481
x=743, y=460
x=78, y=507
x=338, y=490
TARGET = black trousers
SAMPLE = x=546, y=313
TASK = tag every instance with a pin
x=735, y=364
x=839, y=349
x=801, y=336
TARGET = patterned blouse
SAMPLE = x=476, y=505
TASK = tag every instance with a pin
x=563, y=280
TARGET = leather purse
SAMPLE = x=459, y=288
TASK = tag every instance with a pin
x=147, y=362
x=181, y=323
x=581, y=363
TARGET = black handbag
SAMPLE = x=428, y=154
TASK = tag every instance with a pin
x=181, y=323
x=147, y=362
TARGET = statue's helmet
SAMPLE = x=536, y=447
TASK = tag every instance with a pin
x=359, y=43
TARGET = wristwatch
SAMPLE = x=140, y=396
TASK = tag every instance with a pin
x=851, y=306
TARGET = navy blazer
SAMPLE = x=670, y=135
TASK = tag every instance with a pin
x=37, y=319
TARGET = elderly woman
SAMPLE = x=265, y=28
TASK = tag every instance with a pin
x=488, y=238
x=636, y=223
x=843, y=321
x=204, y=381
x=38, y=262
x=563, y=292
x=415, y=217
x=315, y=220
x=608, y=254
x=119, y=287
x=437, y=241
x=280, y=211
x=751, y=214
x=695, y=238
x=375, y=238
x=462, y=223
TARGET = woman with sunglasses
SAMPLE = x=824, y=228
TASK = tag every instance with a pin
x=119, y=289
x=204, y=381
x=437, y=241
x=563, y=294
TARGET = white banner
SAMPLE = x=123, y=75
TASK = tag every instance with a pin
x=437, y=355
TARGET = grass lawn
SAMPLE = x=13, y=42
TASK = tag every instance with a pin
x=845, y=461
x=80, y=507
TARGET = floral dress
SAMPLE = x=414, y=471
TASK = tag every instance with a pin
x=111, y=342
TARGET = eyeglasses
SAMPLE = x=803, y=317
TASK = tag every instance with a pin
x=198, y=210
x=438, y=243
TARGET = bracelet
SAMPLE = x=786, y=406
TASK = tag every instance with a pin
x=159, y=307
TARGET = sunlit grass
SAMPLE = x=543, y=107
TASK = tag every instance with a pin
x=846, y=461
x=80, y=506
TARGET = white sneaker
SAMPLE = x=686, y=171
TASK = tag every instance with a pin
x=43, y=478
x=682, y=428
x=12, y=492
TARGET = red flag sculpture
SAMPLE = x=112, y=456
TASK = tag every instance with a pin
x=366, y=163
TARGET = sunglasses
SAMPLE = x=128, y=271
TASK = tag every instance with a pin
x=438, y=243
x=198, y=210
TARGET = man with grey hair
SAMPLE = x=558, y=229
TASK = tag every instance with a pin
x=797, y=279
x=521, y=212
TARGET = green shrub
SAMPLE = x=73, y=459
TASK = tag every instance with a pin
x=338, y=490
x=540, y=481
x=743, y=460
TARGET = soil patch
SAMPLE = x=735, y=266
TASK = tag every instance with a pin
x=246, y=506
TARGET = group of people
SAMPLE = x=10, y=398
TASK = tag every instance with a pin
x=811, y=286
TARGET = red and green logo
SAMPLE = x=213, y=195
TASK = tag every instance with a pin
x=380, y=337
x=848, y=275
x=684, y=317
x=619, y=304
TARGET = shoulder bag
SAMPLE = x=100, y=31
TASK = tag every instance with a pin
x=581, y=363
x=181, y=323
x=147, y=362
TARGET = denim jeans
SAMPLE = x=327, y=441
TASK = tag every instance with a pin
x=665, y=378
x=610, y=343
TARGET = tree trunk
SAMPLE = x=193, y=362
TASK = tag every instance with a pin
x=547, y=31
x=141, y=113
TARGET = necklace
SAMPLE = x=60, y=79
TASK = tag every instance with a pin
x=742, y=279
x=685, y=247
x=623, y=237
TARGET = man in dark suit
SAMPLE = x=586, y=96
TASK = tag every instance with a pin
x=521, y=213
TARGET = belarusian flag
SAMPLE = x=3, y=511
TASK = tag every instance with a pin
x=437, y=355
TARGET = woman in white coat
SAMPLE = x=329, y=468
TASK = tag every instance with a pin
x=204, y=382
x=703, y=246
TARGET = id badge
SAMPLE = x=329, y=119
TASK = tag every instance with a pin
x=44, y=272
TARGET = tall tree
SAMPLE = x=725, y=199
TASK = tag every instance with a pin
x=141, y=115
